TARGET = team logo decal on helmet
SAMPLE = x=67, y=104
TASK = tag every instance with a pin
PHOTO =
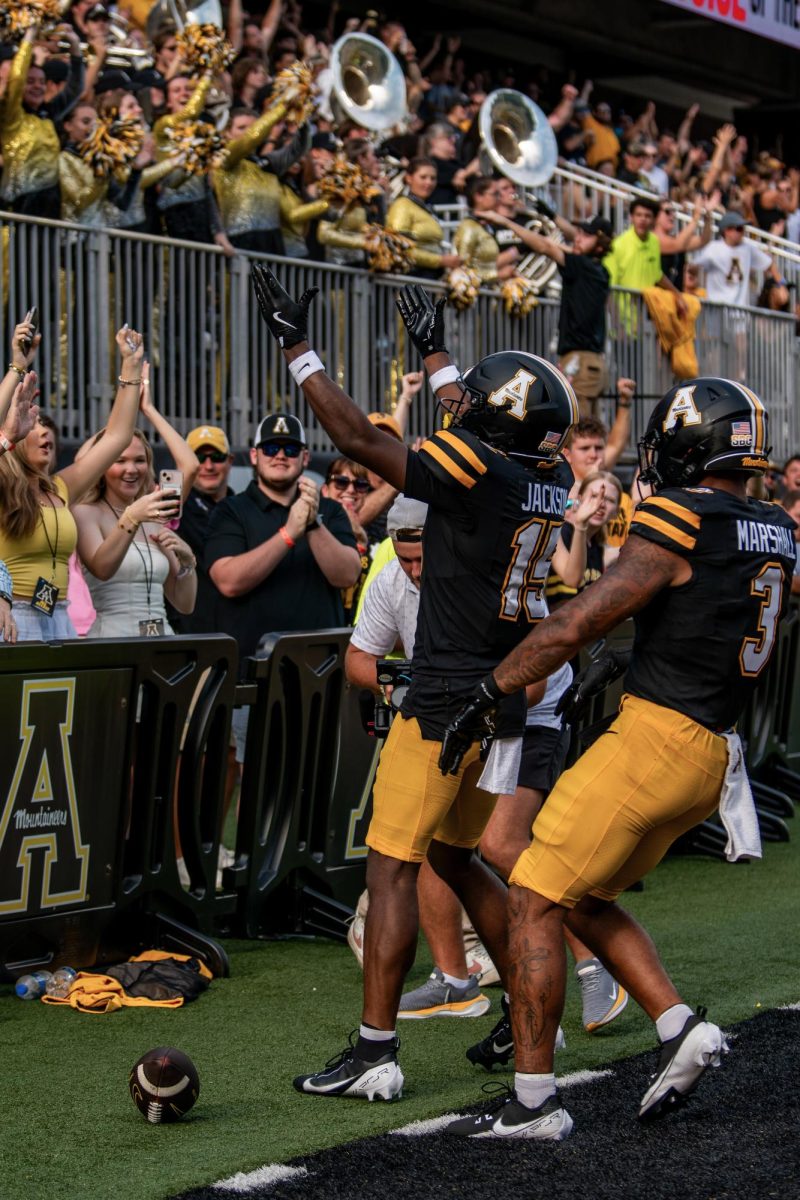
x=701, y=427
x=518, y=403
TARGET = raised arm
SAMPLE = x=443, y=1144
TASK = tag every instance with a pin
x=534, y=241
x=18, y=367
x=85, y=473
x=620, y=431
x=342, y=419
x=183, y=456
x=252, y=138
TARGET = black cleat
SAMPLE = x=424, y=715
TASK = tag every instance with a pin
x=682, y=1063
x=496, y=1049
x=346, y=1075
x=506, y=1117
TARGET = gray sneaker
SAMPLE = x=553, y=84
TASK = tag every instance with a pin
x=437, y=998
x=603, y=998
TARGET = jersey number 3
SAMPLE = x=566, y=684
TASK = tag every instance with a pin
x=768, y=587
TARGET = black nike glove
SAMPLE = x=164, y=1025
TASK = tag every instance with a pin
x=286, y=319
x=468, y=725
x=594, y=679
x=544, y=209
x=423, y=319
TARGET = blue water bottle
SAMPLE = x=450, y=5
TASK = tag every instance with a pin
x=31, y=987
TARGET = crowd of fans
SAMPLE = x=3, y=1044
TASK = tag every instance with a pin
x=107, y=124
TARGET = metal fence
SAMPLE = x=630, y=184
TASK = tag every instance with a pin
x=213, y=361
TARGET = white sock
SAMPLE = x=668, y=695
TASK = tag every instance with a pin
x=507, y=998
x=376, y=1035
x=454, y=981
x=533, y=1090
x=671, y=1022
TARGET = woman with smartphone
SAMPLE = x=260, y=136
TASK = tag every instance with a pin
x=37, y=526
x=131, y=557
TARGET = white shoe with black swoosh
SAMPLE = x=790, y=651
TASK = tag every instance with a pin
x=347, y=1075
x=506, y=1117
x=682, y=1063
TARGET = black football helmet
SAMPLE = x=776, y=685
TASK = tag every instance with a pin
x=704, y=426
x=519, y=404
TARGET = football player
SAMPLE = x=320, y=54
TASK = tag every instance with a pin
x=497, y=490
x=706, y=575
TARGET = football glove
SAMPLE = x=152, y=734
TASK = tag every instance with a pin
x=423, y=319
x=589, y=682
x=286, y=319
x=468, y=725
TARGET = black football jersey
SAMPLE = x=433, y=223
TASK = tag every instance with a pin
x=491, y=531
x=701, y=648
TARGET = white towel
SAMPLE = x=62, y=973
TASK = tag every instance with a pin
x=736, y=808
x=502, y=767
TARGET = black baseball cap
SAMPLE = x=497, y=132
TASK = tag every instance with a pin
x=324, y=141
x=113, y=80
x=280, y=427
x=56, y=70
x=98, y=12
x=597, y=225
x=148, y=78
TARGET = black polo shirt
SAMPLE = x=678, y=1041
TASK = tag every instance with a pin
x=193, y=529
x=582, y=319
x=296, y=595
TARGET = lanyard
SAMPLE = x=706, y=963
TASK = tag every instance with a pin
x=147, y=564
x=52, y=548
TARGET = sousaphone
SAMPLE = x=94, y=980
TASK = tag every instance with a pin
x=368, y=84
x=520, y=143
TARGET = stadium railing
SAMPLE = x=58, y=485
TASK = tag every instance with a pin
x=213, y=362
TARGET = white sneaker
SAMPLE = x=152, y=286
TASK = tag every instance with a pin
x=479, y=962
x=507, y=1117
x=355, y=932
x=683, y=1061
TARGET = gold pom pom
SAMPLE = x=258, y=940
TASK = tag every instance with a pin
x=16, y=18
x=387, y=251
x=345, y=184
x=113, y=146
x=462, y=287
x=204, y=48
x=198, y=142
x=293, y=86
x=519, y=296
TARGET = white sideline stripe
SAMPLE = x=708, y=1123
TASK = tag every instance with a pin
x=420, y=1128
x=789, y=1007
x=248, y=1181
x=578, y=1077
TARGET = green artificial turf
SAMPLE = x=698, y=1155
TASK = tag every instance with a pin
x=69, y=1128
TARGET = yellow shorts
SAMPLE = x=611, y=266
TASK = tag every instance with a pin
x=652, y=776
x=413, y=803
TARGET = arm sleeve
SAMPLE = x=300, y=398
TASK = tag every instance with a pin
x=445, y=470
x=611, y=264
x=336, y=520
x=62, y=104
x=226, y=535
x=17, y=78
x=279, y=161
x=249, y=142
x=761, y=260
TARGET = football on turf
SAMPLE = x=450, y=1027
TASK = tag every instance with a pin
x=164, y=1085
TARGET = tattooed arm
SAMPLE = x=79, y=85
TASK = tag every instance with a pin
x=641, y=571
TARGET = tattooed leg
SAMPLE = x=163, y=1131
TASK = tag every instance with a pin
x=537, y=974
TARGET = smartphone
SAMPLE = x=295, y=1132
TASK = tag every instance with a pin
x=172, y=481
x=33, y=316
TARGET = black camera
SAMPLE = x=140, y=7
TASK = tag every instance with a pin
x=394, y=673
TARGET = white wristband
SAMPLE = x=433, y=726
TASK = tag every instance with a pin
x=450, y=374
x=307, y=364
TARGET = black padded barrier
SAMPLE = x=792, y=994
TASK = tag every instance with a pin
x=93, y=730
x=305, y=786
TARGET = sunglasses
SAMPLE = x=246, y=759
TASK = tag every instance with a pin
x=273, y=449
x=342, y=482
x=214, y=456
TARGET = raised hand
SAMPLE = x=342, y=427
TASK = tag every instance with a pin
x=286, y=319
x=131, y=349
x=22, y=413
x=24, y=337
x=423, y=319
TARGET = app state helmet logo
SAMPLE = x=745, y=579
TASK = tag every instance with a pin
x=683, y=409
x=513, y=395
